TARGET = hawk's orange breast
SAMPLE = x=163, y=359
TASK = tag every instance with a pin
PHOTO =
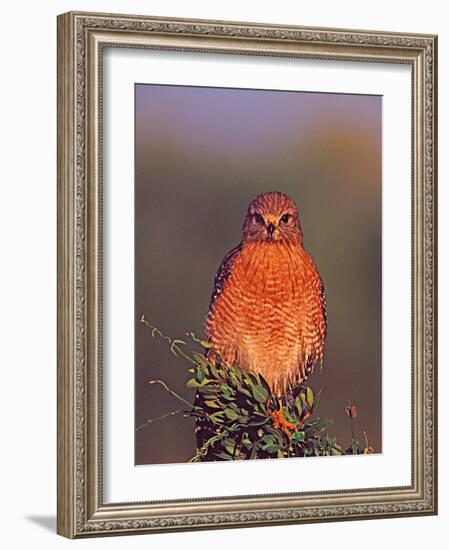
x=269, y=316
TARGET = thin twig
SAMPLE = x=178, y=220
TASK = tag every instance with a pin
x=203, y=450
x=171, y=392
x=366, y=440
x=174, y=343
x=238, y=444
x=151, y=420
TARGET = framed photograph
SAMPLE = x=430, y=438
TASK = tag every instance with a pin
x=246, y=274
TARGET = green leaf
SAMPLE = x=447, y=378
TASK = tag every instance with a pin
x=272, y=448
x=258, y=422
x=217, y=418
x=254, y=378
x=317, y=398
x=231, y=414
x=214, y=371
x=212, y=404
x=228, y=397
x=268, y=440
x=229, y=445
x=200, y=374
x=223, y=456
x=260, y=394
x=298, y=436
x=309, y=397
x=265, y=384
x=275, y=434
x=321, y=424
x=298, y=405
x=207, y=394
x=234, y=377
x=205, y=382
x=200, y=359
x=288, y=416
x=192, y=383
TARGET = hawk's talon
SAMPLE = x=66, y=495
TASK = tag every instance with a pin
x=281, y=423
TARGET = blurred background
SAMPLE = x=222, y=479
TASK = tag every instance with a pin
x=201, y=155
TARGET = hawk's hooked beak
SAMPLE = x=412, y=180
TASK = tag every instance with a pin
x=270, y=229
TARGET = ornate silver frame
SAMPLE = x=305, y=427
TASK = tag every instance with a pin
x=81, y=38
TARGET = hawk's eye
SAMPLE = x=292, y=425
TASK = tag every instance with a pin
x=285, y=218
x=259, y=218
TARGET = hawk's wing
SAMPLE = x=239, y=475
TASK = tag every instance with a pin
x=315, y=323
x=204, y=427
x=223, y=273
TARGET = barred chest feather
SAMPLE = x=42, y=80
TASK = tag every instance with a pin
x=269, y=316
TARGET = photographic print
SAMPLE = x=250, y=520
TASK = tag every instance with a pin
x=246, y=274
x=258, y=223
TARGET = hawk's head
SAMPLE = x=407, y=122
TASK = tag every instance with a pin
x=272, y=217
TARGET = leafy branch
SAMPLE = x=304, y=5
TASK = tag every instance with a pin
x=241, y=418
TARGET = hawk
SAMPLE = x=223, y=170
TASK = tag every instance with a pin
x=267, y=311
